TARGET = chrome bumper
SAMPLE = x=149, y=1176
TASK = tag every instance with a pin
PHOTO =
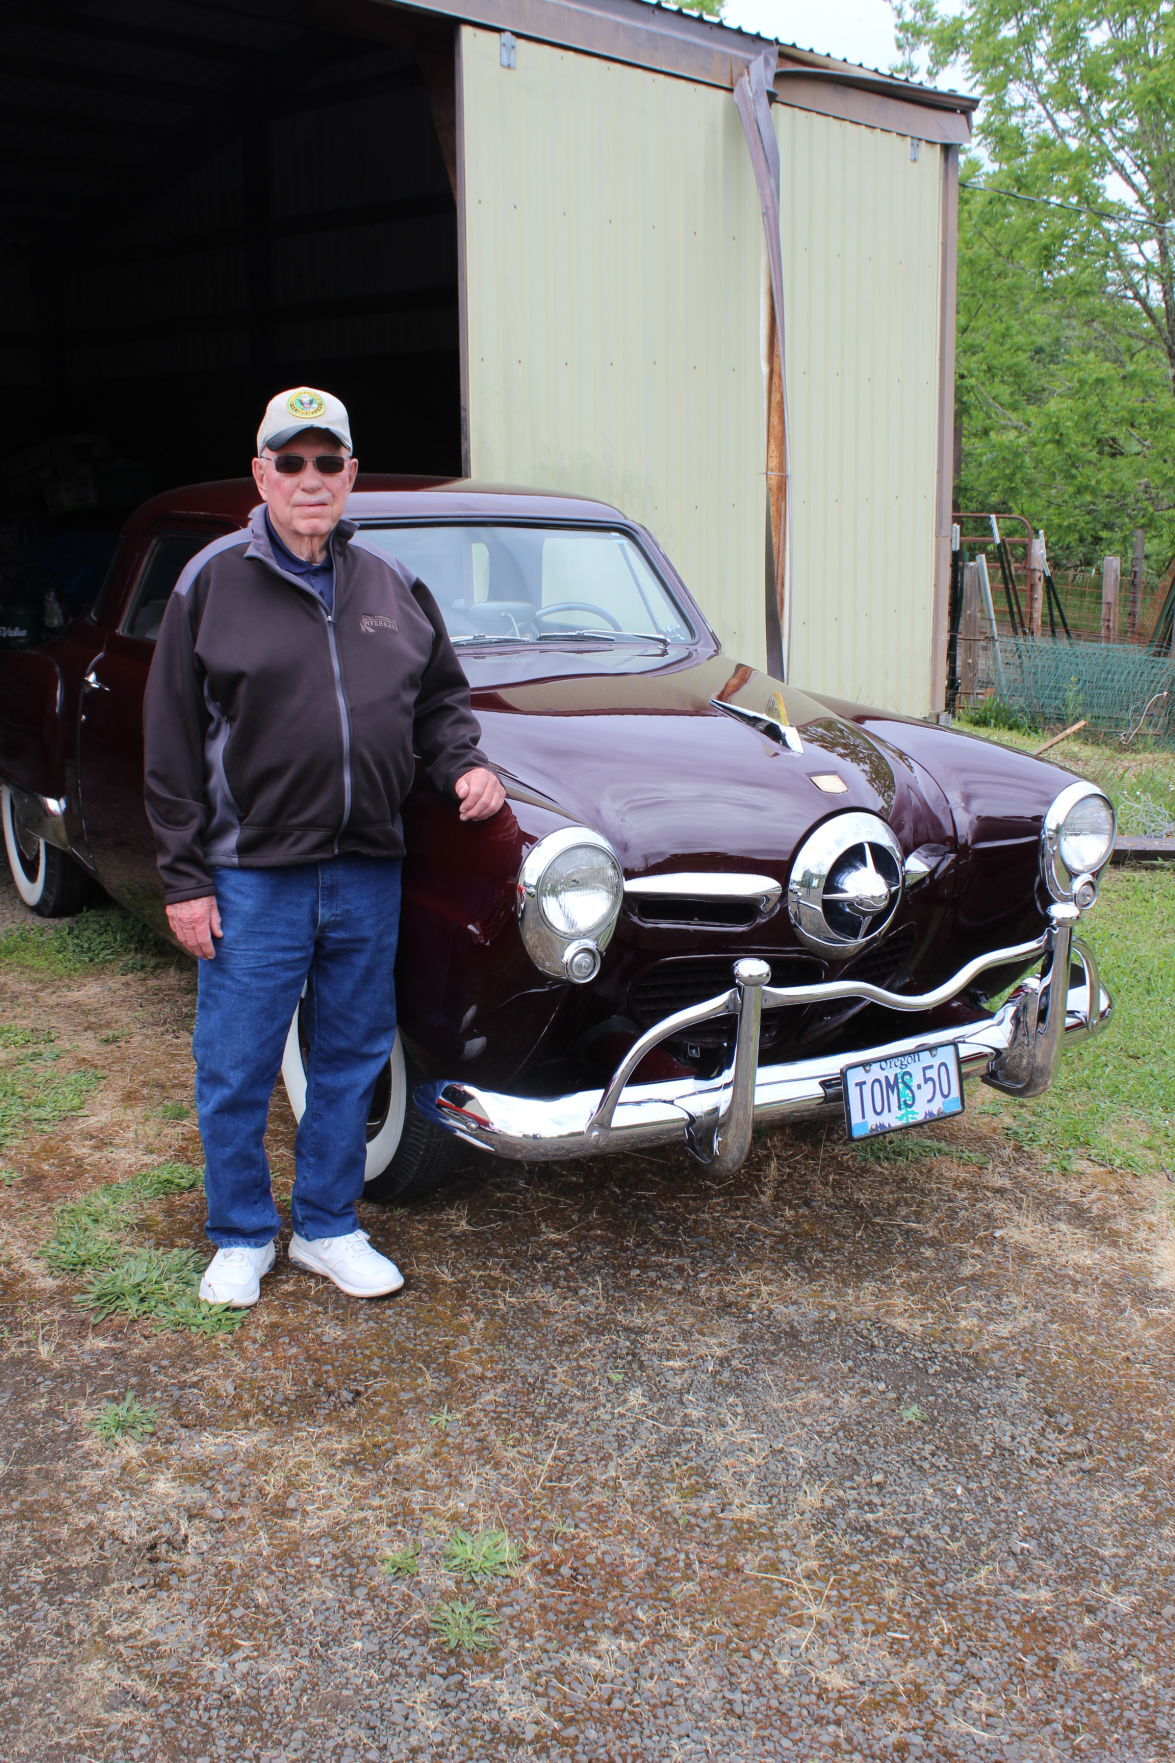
x=1015, y=1050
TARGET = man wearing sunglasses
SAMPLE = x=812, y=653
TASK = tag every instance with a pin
x=296, y=673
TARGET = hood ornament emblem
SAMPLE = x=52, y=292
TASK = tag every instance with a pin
x=772, y=721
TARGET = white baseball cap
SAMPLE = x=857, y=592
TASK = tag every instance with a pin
x=303, y=407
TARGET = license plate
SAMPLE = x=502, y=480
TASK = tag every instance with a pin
x=906, y=1090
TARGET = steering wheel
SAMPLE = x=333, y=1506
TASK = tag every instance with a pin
x=542, y=612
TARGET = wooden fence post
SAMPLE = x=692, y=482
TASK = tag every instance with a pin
x=1111, y=575
x=1035, y=582
x=1134, y=605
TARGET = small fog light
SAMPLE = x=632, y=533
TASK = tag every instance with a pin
x=1085, y=893
x=582, y=962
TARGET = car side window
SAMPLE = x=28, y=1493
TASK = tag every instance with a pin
x=165, y=562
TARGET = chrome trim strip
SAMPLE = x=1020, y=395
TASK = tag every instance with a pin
x=828, y=991
x=710, y=1114
x=764, y=723
x=688, y=884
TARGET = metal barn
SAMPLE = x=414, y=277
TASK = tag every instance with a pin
x=593, y=245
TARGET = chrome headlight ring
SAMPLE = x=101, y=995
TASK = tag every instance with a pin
x=570, y=890
x=1076, y=840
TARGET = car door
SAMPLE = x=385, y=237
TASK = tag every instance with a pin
x=110, y=723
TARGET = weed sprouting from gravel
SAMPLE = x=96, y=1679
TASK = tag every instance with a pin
x=165, y=1178
x=128, y=1419
x=444, y=1418
x=129, y=1278
x=145, y=1283
x=32, y=1093
x=12, y=1036
x=78, y=1245
x=488, y=1554
x=912, y=1414
x=462, y=1624
x=401, y=1562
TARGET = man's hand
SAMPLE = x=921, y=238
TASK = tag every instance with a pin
x=480, y=794
x=194, y=923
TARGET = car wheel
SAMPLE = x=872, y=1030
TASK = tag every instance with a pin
x=48, y=881
x=407, y=1156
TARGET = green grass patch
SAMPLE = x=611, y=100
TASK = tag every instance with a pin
x=1113, y=1098
x=462, y=1624
x=95, y=1237
x=486, y=1554
x=35, y=1095
x=101, y=937
x=911, y=1147
x=128, y=1419
x=401, y=1563
x=997, y=714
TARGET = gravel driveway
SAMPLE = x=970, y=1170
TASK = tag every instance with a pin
x=845, y=1456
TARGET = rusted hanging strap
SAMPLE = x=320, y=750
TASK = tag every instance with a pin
x=754, y=108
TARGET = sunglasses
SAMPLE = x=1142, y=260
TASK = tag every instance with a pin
x=290, y=464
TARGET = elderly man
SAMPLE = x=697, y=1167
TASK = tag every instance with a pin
x=296, y=673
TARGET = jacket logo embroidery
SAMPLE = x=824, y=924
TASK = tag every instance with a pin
x=375, y=621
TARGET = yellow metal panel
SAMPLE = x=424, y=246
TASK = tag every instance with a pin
x=613, y=262
x=861, y=223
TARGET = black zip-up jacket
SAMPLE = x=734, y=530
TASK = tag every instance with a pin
x=276, y=732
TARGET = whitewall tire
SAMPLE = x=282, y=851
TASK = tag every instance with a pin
x=48, y=881
x=407, y=1156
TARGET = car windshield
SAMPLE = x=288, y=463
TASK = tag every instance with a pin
x=500, y=583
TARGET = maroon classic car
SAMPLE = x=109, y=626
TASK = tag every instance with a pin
x=712, y=900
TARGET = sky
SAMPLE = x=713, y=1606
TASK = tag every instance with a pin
x=854, y=30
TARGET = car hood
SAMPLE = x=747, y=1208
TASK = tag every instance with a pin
x=665, y=766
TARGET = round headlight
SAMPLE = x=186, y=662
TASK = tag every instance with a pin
x=1086, y=836
x=570, y=891
x=1077, y=837
x=580, y=890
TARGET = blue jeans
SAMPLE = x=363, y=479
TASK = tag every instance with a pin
x=331, y=927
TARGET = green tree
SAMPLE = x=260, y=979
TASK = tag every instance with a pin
x=1066, y=278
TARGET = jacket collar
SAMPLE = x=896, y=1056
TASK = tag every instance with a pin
x=261, y=545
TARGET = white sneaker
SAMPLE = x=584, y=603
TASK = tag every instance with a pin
x=356, y=1268
x=233, y=1276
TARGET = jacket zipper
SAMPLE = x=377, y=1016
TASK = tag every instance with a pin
x=344, y=717
x=344, y=721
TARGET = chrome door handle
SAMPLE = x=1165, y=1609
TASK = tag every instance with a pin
x=94, y=684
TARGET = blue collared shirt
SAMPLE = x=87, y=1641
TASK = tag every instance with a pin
x=318, y=576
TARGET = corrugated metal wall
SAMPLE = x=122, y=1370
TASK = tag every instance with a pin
x=861, y=225
x=614, y=276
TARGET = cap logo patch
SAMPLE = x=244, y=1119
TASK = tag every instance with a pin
x=376, y=621
x=305, y=403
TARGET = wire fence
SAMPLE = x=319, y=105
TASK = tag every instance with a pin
x=1115, y=688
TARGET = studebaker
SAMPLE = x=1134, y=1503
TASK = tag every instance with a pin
x=712, y=900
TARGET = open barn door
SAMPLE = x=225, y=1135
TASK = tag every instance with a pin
x=613, y=303
x=215, y=201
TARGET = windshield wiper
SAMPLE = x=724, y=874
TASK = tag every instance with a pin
x=489, y=637
x=606, y=637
